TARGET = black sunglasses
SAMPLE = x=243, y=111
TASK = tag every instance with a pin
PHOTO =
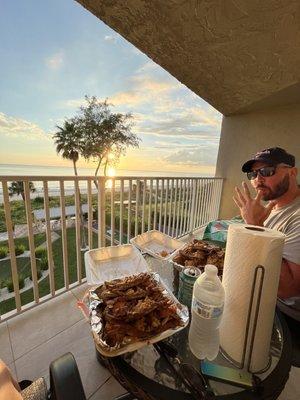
x=264, y=172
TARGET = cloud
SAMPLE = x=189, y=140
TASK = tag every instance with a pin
x=145, y=90
x=20, y=128
x=128, y=99
x=72, y=103
x=110, y=38
x=162, y=106
x=56, y=61
x=166, y=114
x=189, y=124
x=148, y=66
x=199, y=156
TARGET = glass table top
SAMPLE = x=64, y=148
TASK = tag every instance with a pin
x=148, y=361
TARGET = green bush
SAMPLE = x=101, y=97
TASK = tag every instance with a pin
x=40, y=252
x=10, y=285
x=21, y=282
x=19, y=249
x=44, y=263
x=38, y=274
x=3, y=251
x=39, y=200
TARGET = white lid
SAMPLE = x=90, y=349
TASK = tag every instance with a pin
x=211, y=270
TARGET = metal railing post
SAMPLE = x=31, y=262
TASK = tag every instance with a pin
x=192, y=216
x=101, y=217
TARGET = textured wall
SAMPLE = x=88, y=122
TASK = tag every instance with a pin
x=232, y=53
x=243, y=135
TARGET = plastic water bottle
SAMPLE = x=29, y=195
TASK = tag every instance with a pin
x=207, y=309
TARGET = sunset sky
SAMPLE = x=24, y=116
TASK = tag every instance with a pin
x=54, y=52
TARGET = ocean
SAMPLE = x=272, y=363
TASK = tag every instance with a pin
x=43, y=170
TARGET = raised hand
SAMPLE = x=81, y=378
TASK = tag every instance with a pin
x=252, y=210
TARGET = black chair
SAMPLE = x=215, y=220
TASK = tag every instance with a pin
x=65, y=381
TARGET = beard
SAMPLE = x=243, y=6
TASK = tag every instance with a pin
x=278, y=191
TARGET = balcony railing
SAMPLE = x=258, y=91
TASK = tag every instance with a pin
x=106, y=211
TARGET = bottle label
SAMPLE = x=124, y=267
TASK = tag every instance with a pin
x=205, y=310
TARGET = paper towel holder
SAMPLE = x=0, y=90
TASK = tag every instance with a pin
x=257, y=282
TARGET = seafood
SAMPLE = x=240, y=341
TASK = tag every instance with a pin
x=199, y=253
x=135, y=308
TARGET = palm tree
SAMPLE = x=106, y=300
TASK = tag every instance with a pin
x=17, y=188
x=67, y=140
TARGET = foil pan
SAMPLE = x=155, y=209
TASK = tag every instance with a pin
x=181, y=267
x=92, y=301
x=157, y=244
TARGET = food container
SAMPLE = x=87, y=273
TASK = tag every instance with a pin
x=91, y=302
x=107, y=263
x=157, y=244
x=197, y=254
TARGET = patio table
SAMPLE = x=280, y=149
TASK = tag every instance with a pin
x=148, y=376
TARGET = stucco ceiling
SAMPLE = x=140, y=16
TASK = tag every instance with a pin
x=238, y=55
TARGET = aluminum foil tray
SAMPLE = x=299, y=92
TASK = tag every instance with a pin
x=107, y=263
x=181, y=267
x=93, y=302
x=157, y=244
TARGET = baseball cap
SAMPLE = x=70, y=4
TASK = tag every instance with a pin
x=272, y=156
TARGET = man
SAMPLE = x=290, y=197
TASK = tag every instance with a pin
x=273, y=175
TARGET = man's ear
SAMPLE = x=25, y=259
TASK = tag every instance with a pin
x=294, y=171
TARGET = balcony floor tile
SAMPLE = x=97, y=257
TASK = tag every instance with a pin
x=13, y=370
x=36, y=326
x=292, y=388
x=5, y=345
x=80, y=291
x=78, y=340
x=109, y=390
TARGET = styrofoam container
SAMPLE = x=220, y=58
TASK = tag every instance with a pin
x=108, y=263
x=154, y=242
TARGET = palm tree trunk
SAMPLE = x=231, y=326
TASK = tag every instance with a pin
x=75, y=168
x=105, y=166
x=96, y=171
x=80, y=210
x=98, y=166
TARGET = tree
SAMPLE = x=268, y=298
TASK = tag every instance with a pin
x=17, y=188
x=68, y=142
x=104, y=135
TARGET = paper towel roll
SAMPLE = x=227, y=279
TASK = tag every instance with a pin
x=247, y=247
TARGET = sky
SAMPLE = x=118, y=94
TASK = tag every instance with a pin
x=54, y=52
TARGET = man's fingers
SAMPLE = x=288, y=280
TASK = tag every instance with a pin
x=259, y=195
x=240, y=195
x=237, y=202
x=270, y=205
x=246, y=190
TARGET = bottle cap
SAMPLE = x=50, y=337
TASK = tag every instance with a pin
x=211, y=269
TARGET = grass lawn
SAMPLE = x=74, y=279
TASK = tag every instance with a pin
x=39, y=238
x=23, y=264
x=44, y=286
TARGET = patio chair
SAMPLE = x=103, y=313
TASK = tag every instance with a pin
x=65, y=382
